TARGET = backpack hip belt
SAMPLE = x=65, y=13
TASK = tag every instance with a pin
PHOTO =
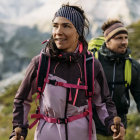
x=57, y=120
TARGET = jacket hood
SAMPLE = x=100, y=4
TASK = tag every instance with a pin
x=112, y=55
x=69, y=57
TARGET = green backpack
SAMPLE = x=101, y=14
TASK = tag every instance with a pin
x=95, y=44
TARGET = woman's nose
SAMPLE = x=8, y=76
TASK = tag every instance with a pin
x=59, y=30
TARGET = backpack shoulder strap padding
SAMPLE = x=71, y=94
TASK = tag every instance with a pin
x=128, y=72
x=90, y=83
x=89, y=71
x=42, y=71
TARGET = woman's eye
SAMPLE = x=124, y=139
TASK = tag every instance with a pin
x=66, y=26
x=54, y=25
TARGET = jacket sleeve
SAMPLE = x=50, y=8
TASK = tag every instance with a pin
x=23, y=98
x=105, y=107
x=135, y=83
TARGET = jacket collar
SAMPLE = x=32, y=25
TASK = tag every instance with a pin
x=112, y=55
x=69, y=57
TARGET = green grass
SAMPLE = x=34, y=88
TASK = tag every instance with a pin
x=6, y=101
x=133, y=130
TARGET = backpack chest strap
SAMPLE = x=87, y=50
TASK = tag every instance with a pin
x=66, y=85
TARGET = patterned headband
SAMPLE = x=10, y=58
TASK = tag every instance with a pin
x=114, y=29
x=73, y=15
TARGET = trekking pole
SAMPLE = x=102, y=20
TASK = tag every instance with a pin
x=117, y=121
x=18, y=133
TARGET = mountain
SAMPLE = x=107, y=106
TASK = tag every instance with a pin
x=17, y=46
x=40, y=12
x=13, y=8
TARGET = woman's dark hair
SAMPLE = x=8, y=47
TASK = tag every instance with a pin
x=51, y=44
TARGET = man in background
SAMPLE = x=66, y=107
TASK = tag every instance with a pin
x=122, y=71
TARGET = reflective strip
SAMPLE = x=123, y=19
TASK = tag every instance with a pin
x=87, y=59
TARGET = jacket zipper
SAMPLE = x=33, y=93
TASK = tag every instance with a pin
x=113, y=85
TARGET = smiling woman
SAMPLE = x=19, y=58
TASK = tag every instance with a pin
x=69, y=25
x=68, y=80
x=65, y=34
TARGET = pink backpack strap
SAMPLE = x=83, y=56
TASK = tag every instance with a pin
x=66, y=85
x=57, y=120
x=42, y=74
x=44, y=41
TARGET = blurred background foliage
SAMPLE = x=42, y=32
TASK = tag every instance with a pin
x=134, y=39
x=6, y=107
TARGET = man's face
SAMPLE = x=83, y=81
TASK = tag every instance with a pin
x=118, y=44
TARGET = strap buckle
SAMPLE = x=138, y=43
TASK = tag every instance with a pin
x=62, y=121
x=37, y=110
x=89, y=95
x=53, y=82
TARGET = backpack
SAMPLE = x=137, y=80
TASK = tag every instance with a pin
x=42, y=75
x=94, y=46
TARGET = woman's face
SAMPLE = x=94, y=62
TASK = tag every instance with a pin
x=65, y=34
